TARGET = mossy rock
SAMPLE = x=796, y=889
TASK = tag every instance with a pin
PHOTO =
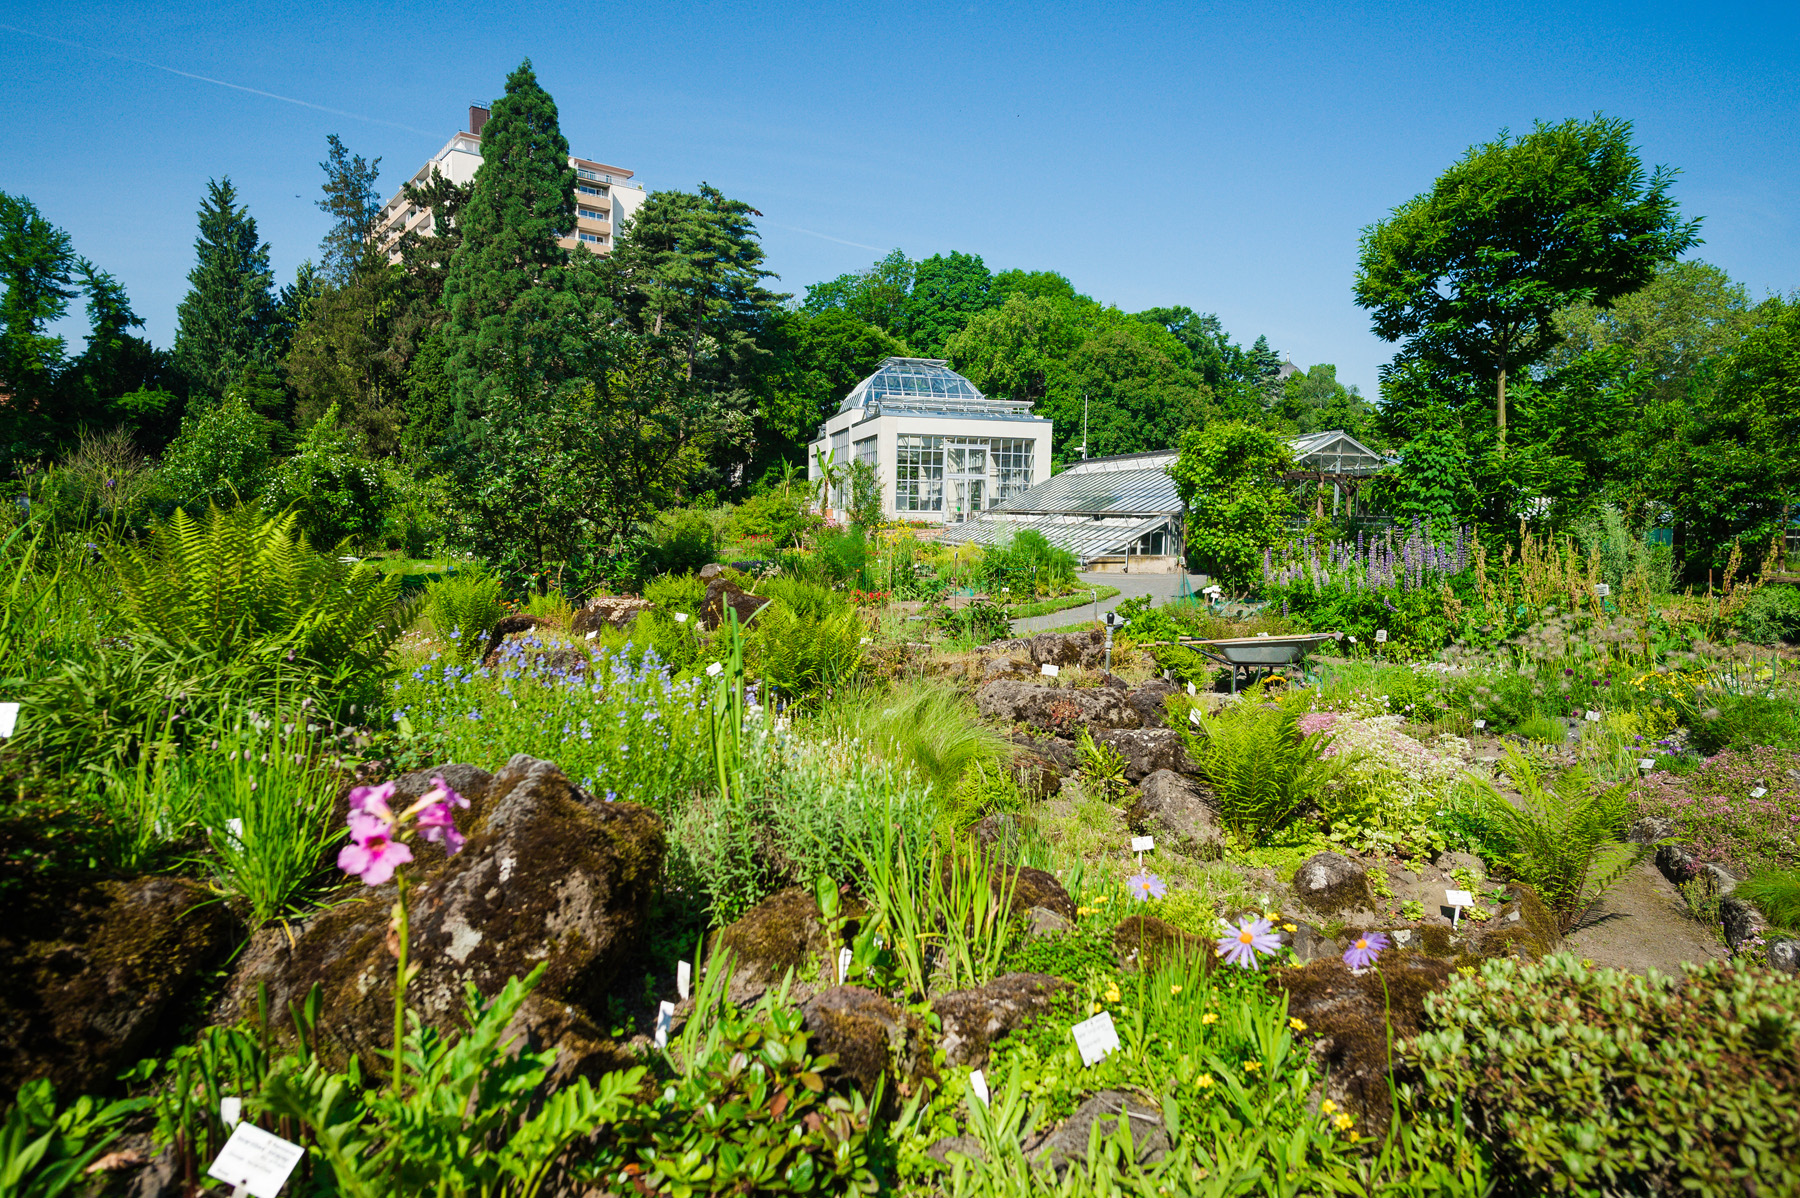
x=869, y=1038
x=1533, y=934
x=1352, y=1022
x=1146, y=942
x=972, y=1020
x=1333, y=884
x=94, y=980
x=1033, y=888
x=785, y=932
x=549, y=876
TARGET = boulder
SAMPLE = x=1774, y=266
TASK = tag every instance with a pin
x=1039, y=776
x=1349, y=1019
x=1649, y=830
x=870, y=1037
x=608, y=611
x=1034, y=888
x=1179, y=814
x=549, y=876
x=1042, y=923
x=1111, y=1109
x=1146, y=942
x=1147, y=750
x=1061, y=710
x=722, y=593
x=779, y=934
x=94, y=979
x=1784, y=954
x=1312, y=944
x=1059, y=754
x=1069, y=649
x=514, y=625
x=1004, y=667
x=1150, y=701
x=1331, y=884
x=1448, y=863
x=972, y=1020
x=1742, y=922
x=1524, y=927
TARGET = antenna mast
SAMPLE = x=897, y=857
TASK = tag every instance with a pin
x=1084, y=414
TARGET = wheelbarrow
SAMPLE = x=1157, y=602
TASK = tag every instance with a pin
x=1254, y=654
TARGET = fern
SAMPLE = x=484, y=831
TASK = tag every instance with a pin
x=801, y=658
x=1562, y=839
x=1263, y=772
x=464, y=607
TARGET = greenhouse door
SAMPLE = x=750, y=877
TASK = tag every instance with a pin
x=965, y=468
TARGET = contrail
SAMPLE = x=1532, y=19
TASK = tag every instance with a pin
x=156, y=66
x=825, y=237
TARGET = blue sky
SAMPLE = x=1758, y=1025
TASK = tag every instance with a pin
x=1222, y=156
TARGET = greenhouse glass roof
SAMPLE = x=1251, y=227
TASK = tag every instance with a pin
x=921, y=385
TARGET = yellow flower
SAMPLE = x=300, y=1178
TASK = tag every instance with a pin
x=1175, y=989
x=1098, y=1008
x=1210, y=1017
x=1355, y=1136
x=1112, y=994
x=1326, y=1107
x=1252, y=1066
x=1084, y=910
x=1272, y=916
x=1101, y=899
x=1343, y=1122
x=1298, y=1025
x=1288, y=927
x=1204, y=1081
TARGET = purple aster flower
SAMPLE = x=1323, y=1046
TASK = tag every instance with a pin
x=1368, y=946
x=1246, y=939
x=1146, y=886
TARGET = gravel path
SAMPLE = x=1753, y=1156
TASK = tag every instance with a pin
x=1643, y=924
x=1162, y=587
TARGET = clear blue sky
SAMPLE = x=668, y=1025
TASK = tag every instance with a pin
x=1222, y=156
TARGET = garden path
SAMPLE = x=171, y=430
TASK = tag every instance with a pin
x=1162, y=587
x=1644, y=924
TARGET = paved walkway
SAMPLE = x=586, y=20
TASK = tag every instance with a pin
x=1161, y=588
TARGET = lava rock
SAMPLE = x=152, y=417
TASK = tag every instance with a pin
x=1784, y=954
x=1331, y=883
x=1150, y=701
x=549, y=876
x=1649, y=830
x=1041, y=923
x=1146, y=942
x=1147, y=750
x=778, y=935
x=1069, y=649
x=722, y=593
x=1064, y=710
x=1068, y=1144
x=95, y=979
x=1742, y=921
x=973, y=1020
x=870, y=1038
x=1179, y=814
x=1033, y=888
x=608, y=611
x=1311, y=944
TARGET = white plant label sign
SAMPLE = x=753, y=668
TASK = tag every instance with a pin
x=1646, y=764
x=665, y=1016
x=714, y=670
x=1096, y=1037
x=593, y=634
x=1480, y=724
x=978, y=1083
x=1143, y=844
x=1460, y=898
x=681, y=617
x=231, y=1111
x=845, y=956
x=1194, y=716
x=684, y=978
x=256, y=1161
x=9, y=718
x=1759, y=792
x=1591, y=716
x=1191, y=691
x=1381, y=636
x=1049, y=671
x=1602, y=589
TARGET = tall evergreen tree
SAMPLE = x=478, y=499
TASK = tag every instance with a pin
x=509, y=307
x=226, y=324
x=353, y=204
x=37, y=265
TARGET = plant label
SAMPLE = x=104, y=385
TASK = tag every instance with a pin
x=1591, y=716
x=1049, y=671
x=1143, y=844
x=681, y=617
x=684, y=978
x=1646, y=764
x=255, y=1161
x=1096, y=1037
x=665, y=1015
x=1191, y=691
x=231, y=1111
x=978, y=1083
x=1602, y=589
x=1480, y=724
x=235, y=826
x=1381, y=636
x=1460, y=898
x=9, y=718
x=845, y=956
x=594, y=633
x=714, y=670
x=864, y=641
x=1352, y=640
x=1194, y=716
x=1759, y=792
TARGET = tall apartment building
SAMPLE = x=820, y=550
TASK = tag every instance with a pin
x=605, y=196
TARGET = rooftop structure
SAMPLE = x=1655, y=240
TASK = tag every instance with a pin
x=605, y=196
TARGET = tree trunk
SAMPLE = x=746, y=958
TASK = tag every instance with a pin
x=1500, y=411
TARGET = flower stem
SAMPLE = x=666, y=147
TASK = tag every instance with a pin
x=400, y=925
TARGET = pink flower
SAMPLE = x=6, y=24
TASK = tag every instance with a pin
x=374, y=800
x=1246, y=939
x=373, y=858
x=436, y=815
x=1368, y=946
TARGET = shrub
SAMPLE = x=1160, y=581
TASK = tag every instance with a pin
x=105, y=480
x=1720, y=721
x=977, y=621
x=1563, y=839
x=463, y=607
x=779, y=514
x=1388, y=800
x=681, y=540
x=219, y=457
x=1599, y=1081
x=1263, y=770
x=844, y=555
x=335, y=493
x=47, y=1151
x=865, y=495
x=1028, y=562
x=1771, y=614
x=807, y=600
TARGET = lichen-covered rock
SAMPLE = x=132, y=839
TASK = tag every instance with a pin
x=608, y=611
x=91, y=980
x=1146, y=942
x=1069, y=649
x=1111, y=1109
x=1033, y=888
x=1741, y=921
x=1150, y=701
x=1348, y=1020
x=1147, y=750
x=549, y=876
x=779, y=935
x=870, y=1037
x=1178, y=813
x=1062, y=710
x=973, y=1020
x=722, y=593
x=1332, y=884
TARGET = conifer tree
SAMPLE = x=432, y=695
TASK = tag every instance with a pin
x=353, y=204
x=506, y=292
x=226, y=323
